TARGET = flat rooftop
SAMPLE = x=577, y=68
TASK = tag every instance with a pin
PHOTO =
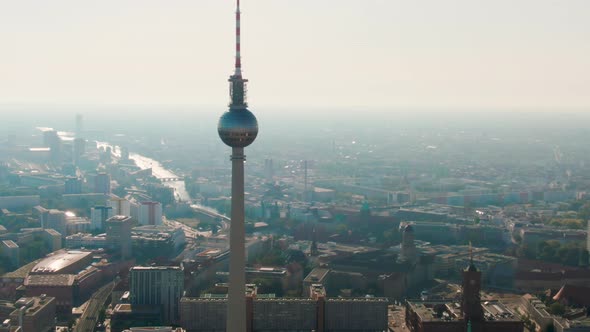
x=32, y=304
x=60, y=261
x=495, y=310
x=203, y=299
x=213, y=296
x=323, y=190
x=277, y=271
x=39, y=149
x=436, y=310
x=118, y=218
x=155, y=228
x=446, y=310
x=317, y=274
x=52, y=231
x=155, y=268
x=284, y=299
x=359, y=299
x=10, y=244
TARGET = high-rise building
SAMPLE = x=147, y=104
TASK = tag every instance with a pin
x=118, y=229
x=267, y=313
x=52, y=239
x=124, y=154
x=158, y=286
x=237, y=128
x=79, y=124
x=79, y=149
x=49, y=137
x=99, y=215
x=73, y=185
x=290, y=314
x=203, y=314
x=353, y=314
x=11, y=251
x=102, y=183
x=134, y=207
x=150, y=213
x=121, y=206
x=55, y=219
x=268, y=169
x=52, y=140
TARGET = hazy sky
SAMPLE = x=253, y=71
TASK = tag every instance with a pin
x=299, y=53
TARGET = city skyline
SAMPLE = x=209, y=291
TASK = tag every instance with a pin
x=421, y=166
x=376, y=54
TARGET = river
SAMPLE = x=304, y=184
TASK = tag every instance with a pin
x=158, y=171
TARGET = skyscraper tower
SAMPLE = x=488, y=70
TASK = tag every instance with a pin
x=237, y=128
x=79, y=125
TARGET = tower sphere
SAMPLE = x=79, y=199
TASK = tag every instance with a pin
x=237, y=127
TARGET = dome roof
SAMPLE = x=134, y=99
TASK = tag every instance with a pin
x=238, y=127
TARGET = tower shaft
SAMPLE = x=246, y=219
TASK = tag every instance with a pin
x=236, y=318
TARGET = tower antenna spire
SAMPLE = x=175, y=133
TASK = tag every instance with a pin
x=238, y=66
x=237, y=82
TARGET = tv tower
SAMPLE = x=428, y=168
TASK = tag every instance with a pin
x=237, y=128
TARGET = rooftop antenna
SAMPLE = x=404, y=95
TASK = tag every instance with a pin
x=238, y=66
x=237, y=83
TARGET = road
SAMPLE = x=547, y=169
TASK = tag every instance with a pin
x=225, y=220
x=89, y=318
x=209, y=211
x=190, y=232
